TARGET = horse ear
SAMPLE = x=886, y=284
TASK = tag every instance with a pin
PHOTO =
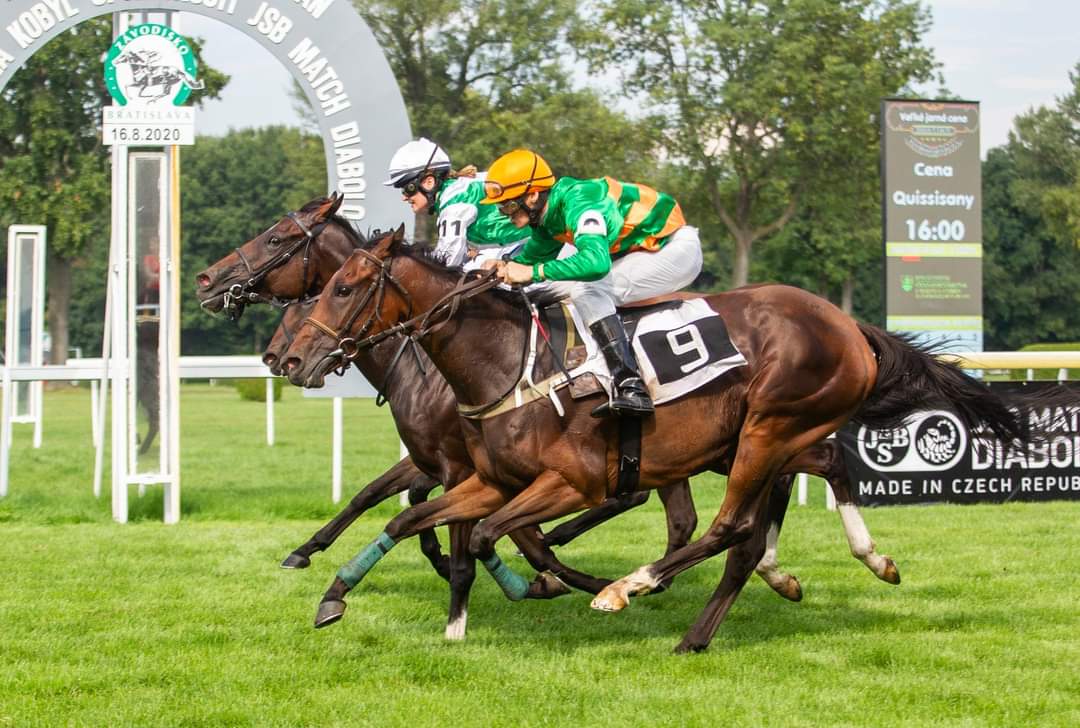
x=330, y=206
x=399, y=234
x=336, y=198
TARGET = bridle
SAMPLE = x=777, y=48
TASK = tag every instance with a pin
x=240, y=294
x=414, y=328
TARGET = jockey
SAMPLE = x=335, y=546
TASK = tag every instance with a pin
x=421, y=170
x=632, y=243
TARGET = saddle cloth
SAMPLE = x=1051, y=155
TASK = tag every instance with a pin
x=680, y=346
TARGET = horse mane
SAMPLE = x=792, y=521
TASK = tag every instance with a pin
x=425, y=255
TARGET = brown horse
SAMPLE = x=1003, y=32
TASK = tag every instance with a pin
x=810, y=370
x=333, y=239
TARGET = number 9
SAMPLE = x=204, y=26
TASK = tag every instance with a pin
x=695, y=344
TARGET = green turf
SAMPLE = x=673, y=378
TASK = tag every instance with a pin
x=194, y=624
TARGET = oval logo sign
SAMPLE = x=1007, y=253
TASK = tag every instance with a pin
x=150, y=65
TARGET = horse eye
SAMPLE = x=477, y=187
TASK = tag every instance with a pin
x=273, y=242
x=342, y=291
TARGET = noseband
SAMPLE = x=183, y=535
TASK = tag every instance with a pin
x=240, y=294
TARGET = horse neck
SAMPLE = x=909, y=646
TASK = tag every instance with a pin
x=328, y=254
x=479, y=350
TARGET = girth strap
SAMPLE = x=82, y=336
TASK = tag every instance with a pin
x=629, y=455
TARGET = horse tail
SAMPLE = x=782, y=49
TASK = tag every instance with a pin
x=911, y=378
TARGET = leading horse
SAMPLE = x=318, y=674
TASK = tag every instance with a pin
x=810, y=369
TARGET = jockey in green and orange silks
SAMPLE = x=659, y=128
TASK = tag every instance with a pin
x=631, y=242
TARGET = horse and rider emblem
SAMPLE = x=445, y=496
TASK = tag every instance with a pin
x=151, y=64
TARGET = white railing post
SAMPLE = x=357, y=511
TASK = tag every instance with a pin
x=403, y=452
x=336, y=456
x=269, y=411
x=802, y=481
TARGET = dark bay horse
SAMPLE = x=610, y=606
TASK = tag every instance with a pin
x=810, y=369
x=295, y=257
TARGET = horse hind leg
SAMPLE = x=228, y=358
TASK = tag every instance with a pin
x=742, y=560
x=824, y=459
x=768, y=567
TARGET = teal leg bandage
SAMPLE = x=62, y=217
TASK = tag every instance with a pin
x=513, y=585
x=352, y=572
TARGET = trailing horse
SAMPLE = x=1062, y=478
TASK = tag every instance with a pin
x=810, y=369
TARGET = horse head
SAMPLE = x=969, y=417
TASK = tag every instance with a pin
x=362, y=299
x=292, y=259
x=294, y=316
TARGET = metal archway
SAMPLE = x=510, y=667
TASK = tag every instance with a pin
x=325, y=45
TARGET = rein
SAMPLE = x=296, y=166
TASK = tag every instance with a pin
x=414, y=329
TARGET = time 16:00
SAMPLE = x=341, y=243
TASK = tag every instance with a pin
x=944, y=230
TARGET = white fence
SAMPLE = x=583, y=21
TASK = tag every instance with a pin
x=191, y=367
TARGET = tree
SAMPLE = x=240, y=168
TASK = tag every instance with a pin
x=53, y=167
x=482, y=77
x=766, y=100
x=1031, y=228
x=232, y=188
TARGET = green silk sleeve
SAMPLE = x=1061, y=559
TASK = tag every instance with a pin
x=591, y=262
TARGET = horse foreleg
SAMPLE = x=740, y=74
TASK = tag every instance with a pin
x=430, y=547
x=467, y=501
x=462, y=574
x=395, y=480
x=541, y=558
x=566, y=532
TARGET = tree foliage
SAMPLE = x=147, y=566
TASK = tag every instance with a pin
x=54, y=170
x=1031, y=204
x=232, y=188
x=766, y=99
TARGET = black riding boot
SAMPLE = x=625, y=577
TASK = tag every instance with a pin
x=630, y=399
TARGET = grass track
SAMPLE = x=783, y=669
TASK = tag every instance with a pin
x=143, y=624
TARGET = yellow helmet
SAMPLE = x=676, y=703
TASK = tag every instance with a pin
x=515, y=174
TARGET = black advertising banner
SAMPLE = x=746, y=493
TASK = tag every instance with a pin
x=932, y=220
x=936, y=459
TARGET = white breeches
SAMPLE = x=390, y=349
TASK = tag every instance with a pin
x=634, y=277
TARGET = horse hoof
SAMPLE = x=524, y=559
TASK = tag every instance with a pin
x=609, y=600
x=687, y=648
x=296, y=561
x=892, y=574
x=546, y=586
x=791, y=591
x=329, y=612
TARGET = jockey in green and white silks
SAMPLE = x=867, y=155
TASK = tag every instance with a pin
x=631, y=242
x=421, y=170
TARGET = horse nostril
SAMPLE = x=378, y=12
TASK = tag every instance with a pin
x=291, y=364
x=202, y=280
x=269, y=359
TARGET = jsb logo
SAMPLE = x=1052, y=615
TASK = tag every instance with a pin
x=927, y=441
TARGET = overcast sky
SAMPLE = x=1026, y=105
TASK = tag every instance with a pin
x=1008, y=55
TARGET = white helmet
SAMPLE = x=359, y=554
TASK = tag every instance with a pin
x=422, y=155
